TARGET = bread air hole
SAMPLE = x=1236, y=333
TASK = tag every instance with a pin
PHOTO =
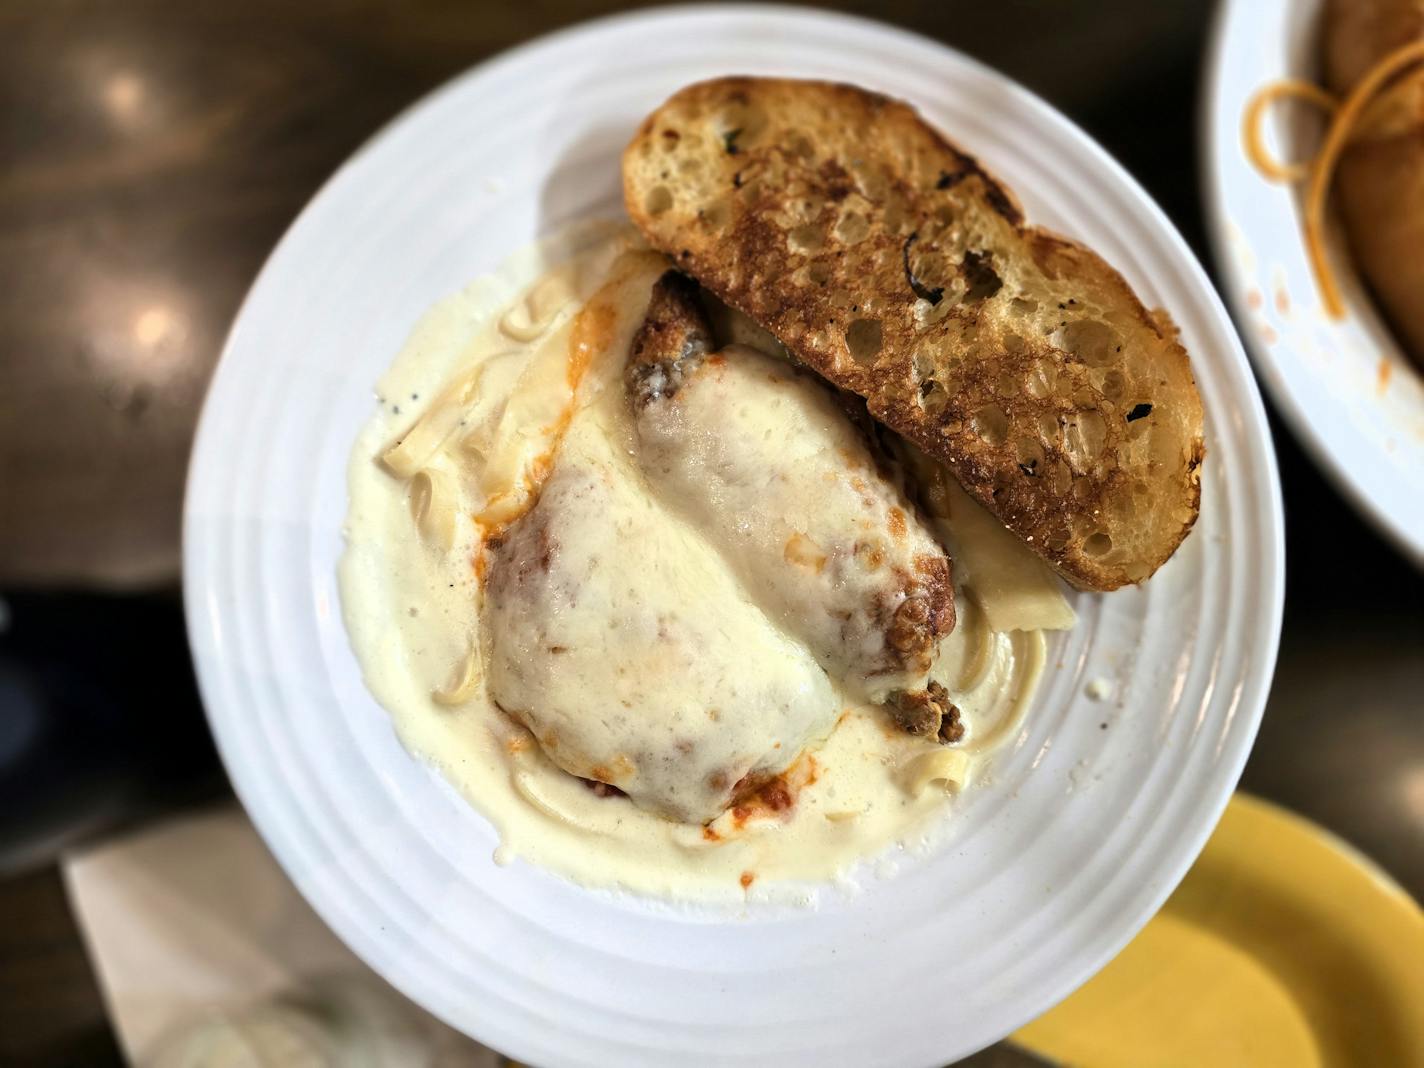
x=1090, y=342
x=852, y=228
x=927, y=314
x=806, y=240
x=991, y=424
x=1084, y=438
x=808, y=207
x=659, y=200
x=819, y=273
x=933, y=399
x=980, y=278
x=1048, y=428
x=716, y=214
x=1114, y=385
x=798, y=144
x=1031, y=457
x=869, y=179
x=1097, y=545
x=864, y=339
x=1040, y=381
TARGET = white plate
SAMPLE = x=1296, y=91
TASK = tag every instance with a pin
x=1364, y=426
x=1051, y=866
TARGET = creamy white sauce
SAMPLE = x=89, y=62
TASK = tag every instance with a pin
x=470, y=415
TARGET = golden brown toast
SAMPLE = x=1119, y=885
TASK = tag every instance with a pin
x=889, y=261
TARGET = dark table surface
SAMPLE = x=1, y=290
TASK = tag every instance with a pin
x=154, y=152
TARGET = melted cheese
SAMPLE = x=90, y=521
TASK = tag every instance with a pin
x=627, y=645
x=764, y=463
x=411, y=595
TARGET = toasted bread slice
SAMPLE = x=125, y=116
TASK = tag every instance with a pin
x=889, y=261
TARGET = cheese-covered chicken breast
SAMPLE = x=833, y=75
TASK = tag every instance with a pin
x=701, y=567
x=762, y=459
x=629, y=649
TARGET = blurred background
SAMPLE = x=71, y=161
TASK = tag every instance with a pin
x=154, y=153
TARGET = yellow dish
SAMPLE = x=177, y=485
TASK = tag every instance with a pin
x=1283, y=946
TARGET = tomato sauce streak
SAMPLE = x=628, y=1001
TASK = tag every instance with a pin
x=777, y=797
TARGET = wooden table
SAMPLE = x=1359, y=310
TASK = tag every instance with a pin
x=154, y=152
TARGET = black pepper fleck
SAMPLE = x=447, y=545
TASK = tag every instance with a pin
x=1139, y=411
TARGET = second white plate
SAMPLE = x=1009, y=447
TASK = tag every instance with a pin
x=1087, y=821
x=1350, y=393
